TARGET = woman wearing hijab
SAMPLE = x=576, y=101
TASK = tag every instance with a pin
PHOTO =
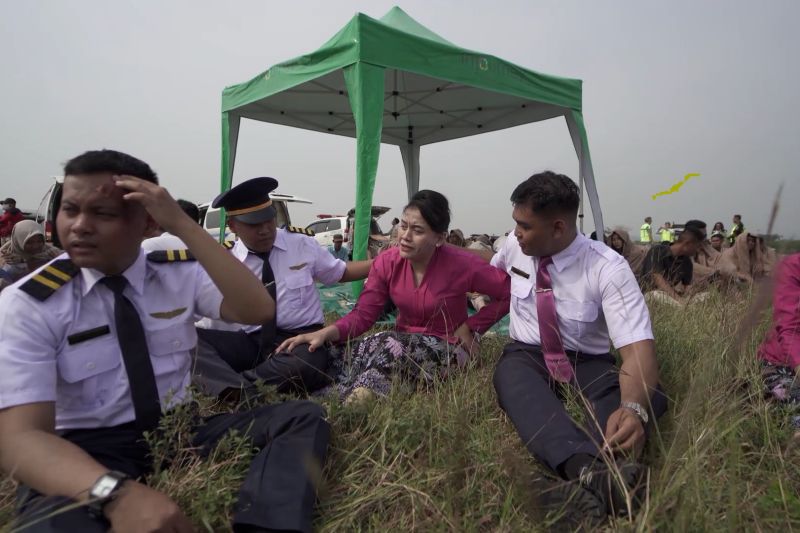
x=25, y=251
x=745, y=260
x=620, y=241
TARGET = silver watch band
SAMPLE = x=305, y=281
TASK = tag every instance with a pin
x=637, y=408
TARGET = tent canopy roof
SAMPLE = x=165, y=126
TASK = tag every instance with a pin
x=433, y=90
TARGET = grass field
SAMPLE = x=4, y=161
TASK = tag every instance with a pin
x=448, y=460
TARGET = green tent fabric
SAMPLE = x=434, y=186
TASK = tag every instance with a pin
x=393, y=81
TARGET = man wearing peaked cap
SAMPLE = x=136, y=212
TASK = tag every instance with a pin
x=231, y=357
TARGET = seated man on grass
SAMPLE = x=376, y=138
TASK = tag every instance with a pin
x=97, y=344
x=667, y=271
x=571, y=297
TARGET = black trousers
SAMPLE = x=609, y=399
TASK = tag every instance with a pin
x=222, y=356
x=528, y=395
x=277, y=493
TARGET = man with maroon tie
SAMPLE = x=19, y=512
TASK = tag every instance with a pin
x=572, y=297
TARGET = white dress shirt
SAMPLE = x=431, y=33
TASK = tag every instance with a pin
x=41, y=360
x=597, y=297
x=296, y=260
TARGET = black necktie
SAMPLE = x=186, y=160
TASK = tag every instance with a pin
x=269, y=329
x=136, y=356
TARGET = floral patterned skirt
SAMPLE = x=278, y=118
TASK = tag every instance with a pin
x=372, y=362
x=782, y=385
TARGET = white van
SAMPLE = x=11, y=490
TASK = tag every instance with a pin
x=210, y=216
x=326, y=226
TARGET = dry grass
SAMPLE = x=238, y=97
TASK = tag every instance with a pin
x=447, y=459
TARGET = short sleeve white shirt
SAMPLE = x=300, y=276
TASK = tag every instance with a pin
x=48, y=355
x=598, y=300
x=297, y=260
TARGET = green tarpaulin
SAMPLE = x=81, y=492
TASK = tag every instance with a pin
x=393, y=81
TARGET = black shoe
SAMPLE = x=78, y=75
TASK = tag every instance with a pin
x=619, y=487
x=569, y=506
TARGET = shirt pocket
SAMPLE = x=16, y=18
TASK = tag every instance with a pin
x=300, y=288
x=521, y=290
x=578, y=317
x=170, y=354
x=87, y=371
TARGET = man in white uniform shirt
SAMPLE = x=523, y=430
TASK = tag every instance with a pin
x=288, y=261
x=97, y=343
x=571, y=297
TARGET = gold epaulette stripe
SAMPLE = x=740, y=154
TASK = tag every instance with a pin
x=57, y=273
x=44, y=281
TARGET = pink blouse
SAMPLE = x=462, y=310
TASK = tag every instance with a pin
x=439, y=305
x=782, y=345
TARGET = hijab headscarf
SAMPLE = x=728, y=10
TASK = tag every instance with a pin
x=634, y=254
x=13, y=252
x=738, y=258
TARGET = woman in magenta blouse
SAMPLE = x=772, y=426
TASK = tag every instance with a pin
x=780, y=351
x=427, y=280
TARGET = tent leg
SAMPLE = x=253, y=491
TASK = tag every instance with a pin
x=410, y=154
x=365, y=91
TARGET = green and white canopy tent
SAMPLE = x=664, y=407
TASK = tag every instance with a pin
x=394, y=81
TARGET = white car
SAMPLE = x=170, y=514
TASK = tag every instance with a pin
x=210, y=216
x=327, y=226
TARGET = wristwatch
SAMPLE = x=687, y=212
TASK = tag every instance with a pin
x=637, y=408
x=104, y=490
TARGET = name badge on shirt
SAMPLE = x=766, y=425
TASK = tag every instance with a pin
x=168, y=314
x=83, y=336
x=297, y=267
x=519, y=272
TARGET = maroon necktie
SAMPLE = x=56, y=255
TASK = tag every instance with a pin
x=554, y=357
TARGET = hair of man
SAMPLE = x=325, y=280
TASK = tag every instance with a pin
x=112, y=161
x=190, y=208
x=548, y=193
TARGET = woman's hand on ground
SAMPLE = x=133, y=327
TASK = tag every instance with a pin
x=469, y=341
x=314, y=340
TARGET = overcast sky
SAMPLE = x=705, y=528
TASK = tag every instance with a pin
x=669, y=88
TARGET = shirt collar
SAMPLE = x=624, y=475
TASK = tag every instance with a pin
x=568, y=255
x=240, y=249
x=134, y=274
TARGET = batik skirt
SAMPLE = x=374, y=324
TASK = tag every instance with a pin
x=372, y=362
x=782, y=385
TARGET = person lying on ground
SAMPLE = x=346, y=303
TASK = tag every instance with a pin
x=232, y=357
x=427, y=281
x=570, y=298
x=97, y=345
x=780, y=352
x=25, y=251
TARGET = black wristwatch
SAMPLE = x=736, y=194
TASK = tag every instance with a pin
x=104, y=490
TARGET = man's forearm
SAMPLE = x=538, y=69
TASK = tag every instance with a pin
x=49, y=464
x=662, y=284
x=356, y=270
x=243, y=293
x=638, y=376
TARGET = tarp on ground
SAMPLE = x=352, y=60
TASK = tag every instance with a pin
x=393, y=81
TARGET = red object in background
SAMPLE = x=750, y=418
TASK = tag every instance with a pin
x=8, y=220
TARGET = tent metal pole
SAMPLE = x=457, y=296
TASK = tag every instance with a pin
x=580, y=208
